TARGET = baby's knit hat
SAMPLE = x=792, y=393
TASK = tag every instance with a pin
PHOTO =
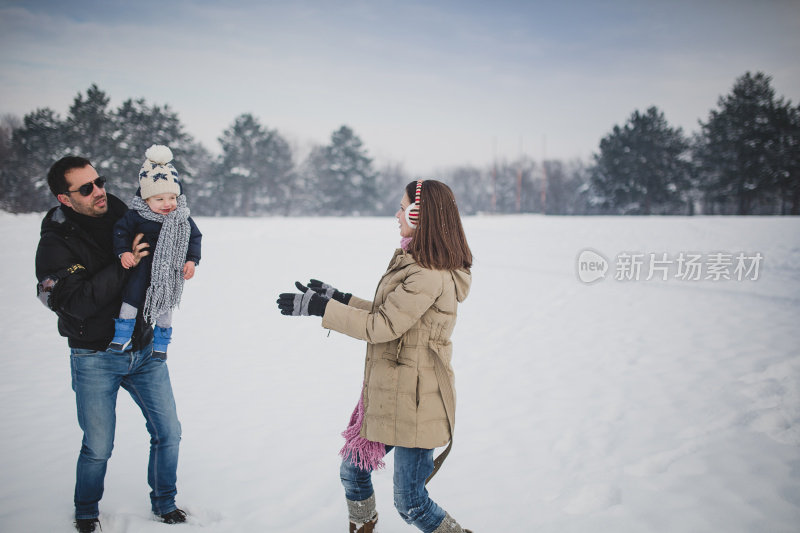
x=157, y=175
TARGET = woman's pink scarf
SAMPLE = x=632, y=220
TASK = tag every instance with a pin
x=363, y=453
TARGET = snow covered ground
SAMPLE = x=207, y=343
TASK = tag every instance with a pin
x=624, y=406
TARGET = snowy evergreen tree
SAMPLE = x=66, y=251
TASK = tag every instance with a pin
x=643, y=166
x=34, y=146
x=199, y=180
x=115, y=142
x=341, y=178
x=255, y=173
x=89, y=128
x=787, y=175
x=10, y=193
x=8, y=123
x=745, y=149
x=136, y=127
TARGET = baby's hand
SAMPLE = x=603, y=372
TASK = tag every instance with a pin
x=127, y=260
x=188, y=270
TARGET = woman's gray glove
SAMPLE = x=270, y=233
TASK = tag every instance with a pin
x=304, y=304
x=323, y=289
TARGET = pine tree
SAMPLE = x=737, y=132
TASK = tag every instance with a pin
x=137, y=126
x=198, y=179
x=34, y=147
x=787, y=175
x=739, y=151
x=255, y=171
x=8, y=123
x=642, y=167
x=89, y=128
x=115, y=142
x=341, y=178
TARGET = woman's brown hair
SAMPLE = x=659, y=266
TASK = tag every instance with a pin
x=438, y=241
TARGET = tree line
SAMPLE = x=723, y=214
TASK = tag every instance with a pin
x=745, y=159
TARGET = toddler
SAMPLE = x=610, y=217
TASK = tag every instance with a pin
x=159, y=211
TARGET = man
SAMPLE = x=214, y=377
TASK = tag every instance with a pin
x=82, y=281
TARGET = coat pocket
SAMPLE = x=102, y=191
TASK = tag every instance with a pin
x=389, y=356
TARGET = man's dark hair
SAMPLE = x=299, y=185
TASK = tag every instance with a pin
x=56, y=175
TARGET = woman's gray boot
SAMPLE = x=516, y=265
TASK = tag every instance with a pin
x=449, y=525
x=363, y=515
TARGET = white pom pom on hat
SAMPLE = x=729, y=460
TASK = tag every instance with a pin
x=157, y=175
x=159, y=154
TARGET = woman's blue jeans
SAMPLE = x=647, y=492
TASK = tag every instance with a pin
x=96, y=379
x=412, y=466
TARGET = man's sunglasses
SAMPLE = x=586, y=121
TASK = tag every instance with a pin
x=87, y=188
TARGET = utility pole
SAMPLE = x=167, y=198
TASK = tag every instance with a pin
x=519, y=177
x=494, y=175
x=544, y=174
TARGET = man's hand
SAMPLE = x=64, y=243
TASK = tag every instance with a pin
x=44, y=289
x=188, y=270
x=127, y=260
x=140, y=249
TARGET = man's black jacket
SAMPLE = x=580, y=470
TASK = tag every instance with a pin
x=88, y=293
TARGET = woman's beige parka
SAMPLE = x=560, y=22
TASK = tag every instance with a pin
x=406, y=326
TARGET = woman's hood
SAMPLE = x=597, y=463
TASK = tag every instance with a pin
x=463, y=279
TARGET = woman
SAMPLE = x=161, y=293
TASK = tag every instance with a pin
x=408, y=401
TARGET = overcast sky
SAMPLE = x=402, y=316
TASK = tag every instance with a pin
x=428, y=84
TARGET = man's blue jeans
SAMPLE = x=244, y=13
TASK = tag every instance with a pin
x=412, y=466
x=96, y=378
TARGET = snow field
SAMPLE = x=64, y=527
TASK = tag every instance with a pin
x=640, y=406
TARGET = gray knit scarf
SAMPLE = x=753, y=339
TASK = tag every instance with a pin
x=166, y=277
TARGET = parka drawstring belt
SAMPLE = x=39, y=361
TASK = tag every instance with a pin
x=448, y=397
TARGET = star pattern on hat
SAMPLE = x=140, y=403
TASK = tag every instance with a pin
x=159, y=176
